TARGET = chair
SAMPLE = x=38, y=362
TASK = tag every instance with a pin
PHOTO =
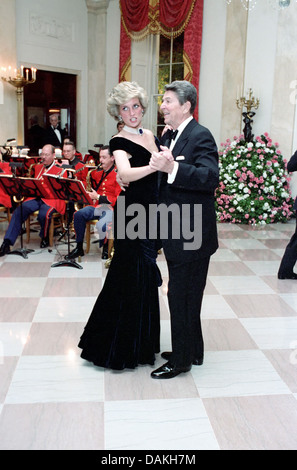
x=91, y=223
x=5, y=214
x=57, y=221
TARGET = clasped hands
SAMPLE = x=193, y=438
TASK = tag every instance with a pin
x=162, y=161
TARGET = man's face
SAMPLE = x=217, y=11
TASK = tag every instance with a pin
x=174, y=112
x=54, y=120
x=106, y=160
x=47, y=156
x=68, y=152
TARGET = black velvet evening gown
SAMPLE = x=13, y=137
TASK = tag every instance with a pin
x=124, y=327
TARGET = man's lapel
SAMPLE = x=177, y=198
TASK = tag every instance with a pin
x=183, y=138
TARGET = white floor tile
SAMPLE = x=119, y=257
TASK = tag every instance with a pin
x=178, y=424
x=228, y=285
x=237, y=373
x=41, y=379
x=64, y=309
x=13, y=337
x=22, y=287
x=272, y=333
x=216, y=307
x=263, y=268
x=243, y=244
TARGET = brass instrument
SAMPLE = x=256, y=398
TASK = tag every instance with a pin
x=88, y=180
x=30, y=170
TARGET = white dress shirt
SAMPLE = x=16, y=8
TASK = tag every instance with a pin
x=181, y=127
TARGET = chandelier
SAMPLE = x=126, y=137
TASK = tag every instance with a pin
x=276, y=4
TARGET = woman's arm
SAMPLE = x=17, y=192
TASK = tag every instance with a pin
x=128, y=174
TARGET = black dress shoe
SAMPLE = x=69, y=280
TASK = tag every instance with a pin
x=168, y=371
x=4, y=248
x=104, y=251
x=44, y=243
x=196, y=362
x=75, y=253
x=287, y=276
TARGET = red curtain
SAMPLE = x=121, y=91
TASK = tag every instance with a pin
x=166, y=17
x=192, y=48
x=174, y=13
x=142, y=17
x=135, y=14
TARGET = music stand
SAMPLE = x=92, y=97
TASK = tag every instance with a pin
x=22, y=188
x=69, y=190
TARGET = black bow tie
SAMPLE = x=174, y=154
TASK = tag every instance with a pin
x=173, y=134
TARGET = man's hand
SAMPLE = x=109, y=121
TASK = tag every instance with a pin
x=93, y=194
x=162, y=161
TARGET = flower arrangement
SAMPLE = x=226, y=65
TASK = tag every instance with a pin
x=254, y=184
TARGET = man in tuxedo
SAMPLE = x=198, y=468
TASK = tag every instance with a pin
x=290, y=255
x=54, y=135
x=190, y=175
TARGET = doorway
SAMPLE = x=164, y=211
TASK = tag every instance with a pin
x=52, y=92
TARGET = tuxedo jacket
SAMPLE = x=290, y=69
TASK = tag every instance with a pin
x=194, y=187
x=292, y=166
x=50, y=137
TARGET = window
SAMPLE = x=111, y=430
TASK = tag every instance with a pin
x=170, y=67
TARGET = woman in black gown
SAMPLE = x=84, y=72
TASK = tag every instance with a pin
x=124, y=327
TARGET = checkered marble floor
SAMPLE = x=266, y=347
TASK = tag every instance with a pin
x=243, y=397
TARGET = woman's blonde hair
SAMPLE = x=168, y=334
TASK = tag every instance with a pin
x=121, y=94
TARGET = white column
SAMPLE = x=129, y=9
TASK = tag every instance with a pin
x=97, y=12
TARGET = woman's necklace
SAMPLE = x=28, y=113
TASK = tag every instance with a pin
x=133, y=130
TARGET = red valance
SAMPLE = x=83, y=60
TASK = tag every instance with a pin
x=135, y=14
x=166, y=17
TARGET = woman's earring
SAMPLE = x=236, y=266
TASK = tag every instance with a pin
x=120, y=118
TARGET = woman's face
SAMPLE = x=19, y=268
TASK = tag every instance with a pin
x=131, y=112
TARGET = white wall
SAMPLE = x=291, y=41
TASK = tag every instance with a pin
x=212, y=66
x=260, y=62
x=52, y=35
x=112, y=60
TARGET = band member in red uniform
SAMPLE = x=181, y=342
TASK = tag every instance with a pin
x=5, y=200
x=45, y=206
x=104, y=191
x=78, y=168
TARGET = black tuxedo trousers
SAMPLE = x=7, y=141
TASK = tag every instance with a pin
x=185, y=292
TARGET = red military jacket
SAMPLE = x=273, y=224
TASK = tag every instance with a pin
x=5, y=200
x=39, y=170
x=105, y=184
